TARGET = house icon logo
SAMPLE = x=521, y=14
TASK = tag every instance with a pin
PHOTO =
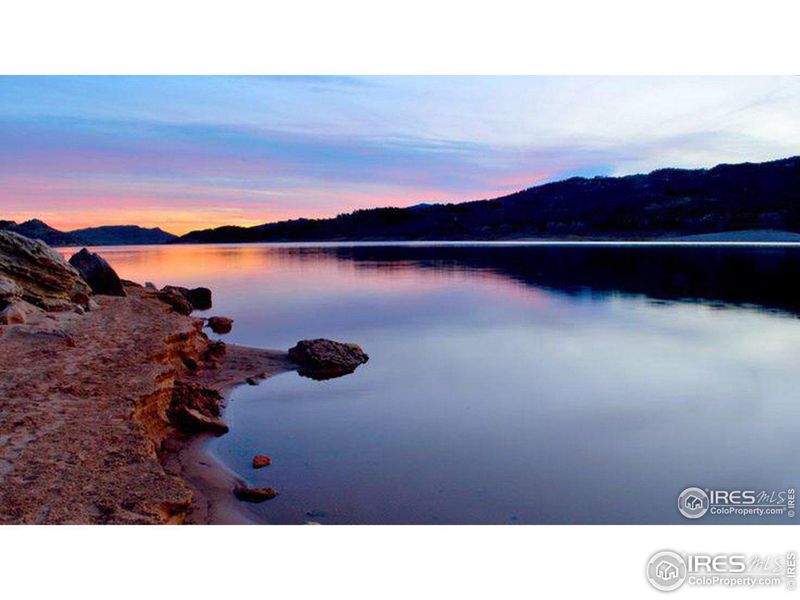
x=693, y=503
x=666, y=570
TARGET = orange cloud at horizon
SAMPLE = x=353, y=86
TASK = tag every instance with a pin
x=63, y=209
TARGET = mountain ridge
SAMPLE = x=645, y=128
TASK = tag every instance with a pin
x=104, y=235
x=667, y=202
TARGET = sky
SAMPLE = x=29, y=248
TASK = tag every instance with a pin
x=186, y=153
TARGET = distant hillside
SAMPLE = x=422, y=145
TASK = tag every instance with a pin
x=107, y=235
x=664, y=203
x=749, y=235
x=39, y=230
x=114, y=235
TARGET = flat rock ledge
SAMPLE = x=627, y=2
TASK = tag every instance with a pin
x=91, y=403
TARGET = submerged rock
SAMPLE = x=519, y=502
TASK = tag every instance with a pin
x=261, y=460
x=220, y=324
x=40, y=274
x=325, y=359
x=248, y=494
x=97, y=273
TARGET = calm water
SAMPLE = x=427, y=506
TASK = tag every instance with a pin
x=508, y=384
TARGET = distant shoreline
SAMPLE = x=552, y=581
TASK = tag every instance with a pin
x=748, y=237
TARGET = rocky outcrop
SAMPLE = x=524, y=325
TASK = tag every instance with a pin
x=97, y=273
x=83, y=401
x=41, y=275
x=220, y=324
x=91, y=405
x=325, y=359
x=199, y=297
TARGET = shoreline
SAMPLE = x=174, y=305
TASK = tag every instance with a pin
x=110, y=389
x=212, y=482
x=88, y=433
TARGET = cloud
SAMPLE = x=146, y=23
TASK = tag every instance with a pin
x=251, y=149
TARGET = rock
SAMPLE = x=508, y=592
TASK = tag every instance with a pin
x=129, y=283
x=82, y=299
x=199, y=298
x=220, y=324
x=251, y=381
x=247, y=494
x=46, y=280
x=260, y=460
x=10, y=292
x=12, y=314
x=79, y=309
x=196, y=408
x=150, y=285
x=214, y=350
x=191, y=419
x=178, y=303
x=97, y=273
x=325, y=359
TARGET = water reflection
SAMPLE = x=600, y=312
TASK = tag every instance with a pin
x=524, y=384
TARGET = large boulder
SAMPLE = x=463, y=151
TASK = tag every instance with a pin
x=97, y=273
x=325, y=359
x=40, y=275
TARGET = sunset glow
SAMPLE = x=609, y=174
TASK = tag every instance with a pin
x=184, y=153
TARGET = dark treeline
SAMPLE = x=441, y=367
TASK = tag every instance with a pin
x=667, y=202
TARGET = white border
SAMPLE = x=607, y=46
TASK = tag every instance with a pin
x=373, y=563
x=374, y=37
x=413, y=36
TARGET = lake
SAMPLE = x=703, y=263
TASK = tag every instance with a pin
x=508, y=383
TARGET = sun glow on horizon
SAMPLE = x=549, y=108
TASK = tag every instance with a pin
x=86, y=151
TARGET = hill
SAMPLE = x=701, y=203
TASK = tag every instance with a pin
x=40, y=230
x=664, y=203
x=114, y=235
x=105, y=235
